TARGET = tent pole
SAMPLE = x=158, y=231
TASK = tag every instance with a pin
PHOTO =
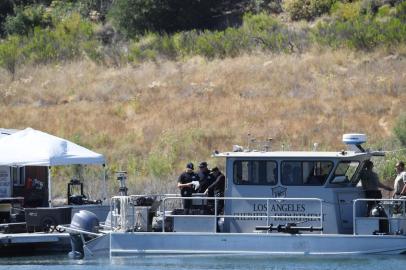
x=49, y=187
x=104, y=183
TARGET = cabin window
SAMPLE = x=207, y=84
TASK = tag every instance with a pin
x=255, y=172
x=305, y=173
x=345, y=171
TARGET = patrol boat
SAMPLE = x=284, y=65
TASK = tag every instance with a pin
x=280, y=202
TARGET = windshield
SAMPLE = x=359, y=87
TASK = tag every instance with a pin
x=345, y=171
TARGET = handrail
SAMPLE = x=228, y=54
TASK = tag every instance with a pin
x=120, y=218
x=391, y=201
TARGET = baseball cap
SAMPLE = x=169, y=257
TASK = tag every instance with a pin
x=203, y=164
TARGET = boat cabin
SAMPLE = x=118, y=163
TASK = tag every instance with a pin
x=324, y=183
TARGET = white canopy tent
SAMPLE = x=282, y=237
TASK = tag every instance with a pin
x=31, y=147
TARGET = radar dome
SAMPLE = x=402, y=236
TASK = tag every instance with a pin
x=354, y=138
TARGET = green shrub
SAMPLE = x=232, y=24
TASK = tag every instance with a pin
x=10, y=54
x=384, y=11
x=362, y=33
x=268, y=6
x=346, y=11
x=307, y=9
x=401, y=11
x=371, y=6
x=136, y=17
x=65, y=42
x=26, y=19
x=258, y=32
x=400, y=129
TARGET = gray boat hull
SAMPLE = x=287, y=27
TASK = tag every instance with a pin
x=125, y=244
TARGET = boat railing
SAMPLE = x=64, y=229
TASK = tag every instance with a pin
x=391, y=211
x=268, y=216
x=125, y=216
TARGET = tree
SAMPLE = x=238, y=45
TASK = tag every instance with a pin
x=135, y=17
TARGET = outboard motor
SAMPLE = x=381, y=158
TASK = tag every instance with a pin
x=85, y=221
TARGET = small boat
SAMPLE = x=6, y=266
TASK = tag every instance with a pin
x=275, y=202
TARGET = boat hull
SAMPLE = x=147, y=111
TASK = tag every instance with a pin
x=125, y=244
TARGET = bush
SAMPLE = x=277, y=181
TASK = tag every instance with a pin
x=268, y=6
x=10, y=54
x=362, y=33
x=400, y=129
x=346, y=11
x=371, y=6
x=258, y=32
x=307, y=9
x=26, y=19
x=401, y=11
x=136, y=17
x=67, y=41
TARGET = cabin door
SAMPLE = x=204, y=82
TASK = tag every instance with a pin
x=345, y=202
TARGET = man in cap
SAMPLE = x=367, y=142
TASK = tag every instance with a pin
x=186, y=186
x=218, y=188
x=206, y=179
x=399, y=185
x=205, y=176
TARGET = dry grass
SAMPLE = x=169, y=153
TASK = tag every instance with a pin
x=130, y=112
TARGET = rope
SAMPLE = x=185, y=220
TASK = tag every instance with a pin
x=394, y=151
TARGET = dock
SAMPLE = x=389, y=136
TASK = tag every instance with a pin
x=34, y=243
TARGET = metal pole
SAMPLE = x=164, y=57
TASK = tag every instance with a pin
x=163, y=217
x=215, y=214
x=104, y=183
x=49, y=187
x=354, y=216
x=321, y=215
x=267, y=212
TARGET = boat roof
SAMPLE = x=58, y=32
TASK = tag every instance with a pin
x=289, y=154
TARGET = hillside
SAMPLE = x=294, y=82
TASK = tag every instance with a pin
x=153, y=118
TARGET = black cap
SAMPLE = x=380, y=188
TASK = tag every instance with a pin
x=203, y=164
x=190, y=166
x=215, y=169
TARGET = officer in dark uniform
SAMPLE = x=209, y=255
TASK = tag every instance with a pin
x=217, y=187
x=206, y=179
x=186, y=187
